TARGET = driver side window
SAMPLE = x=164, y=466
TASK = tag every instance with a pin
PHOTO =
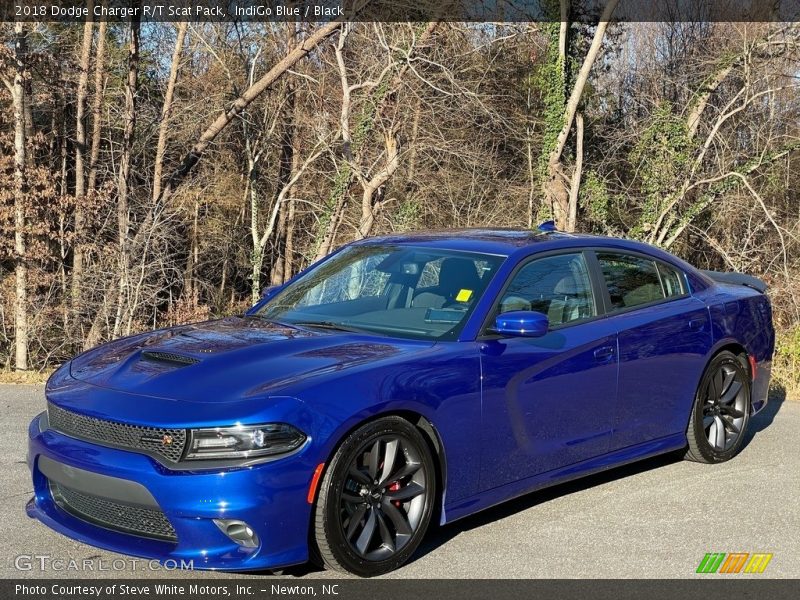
x=557, y=286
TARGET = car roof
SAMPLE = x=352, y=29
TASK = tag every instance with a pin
x=500, y=241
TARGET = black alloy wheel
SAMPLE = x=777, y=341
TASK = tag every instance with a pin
x=376, y=499
x=721, y=411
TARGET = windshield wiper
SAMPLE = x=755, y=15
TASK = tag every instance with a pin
x=325, y=325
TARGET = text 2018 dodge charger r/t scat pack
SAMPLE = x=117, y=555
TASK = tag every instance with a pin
x=401, y=377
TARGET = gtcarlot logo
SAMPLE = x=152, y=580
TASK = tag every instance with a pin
x=734, y=562
x=45, y=562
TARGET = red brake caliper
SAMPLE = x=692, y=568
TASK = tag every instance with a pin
x=393, y=488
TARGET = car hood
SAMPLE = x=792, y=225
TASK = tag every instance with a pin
x=230, y=359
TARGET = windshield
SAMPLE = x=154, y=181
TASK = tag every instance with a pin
x=402, y=291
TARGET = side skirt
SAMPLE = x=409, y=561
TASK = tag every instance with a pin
x=488, y=498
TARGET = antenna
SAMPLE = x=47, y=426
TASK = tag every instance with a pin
x=547, y=227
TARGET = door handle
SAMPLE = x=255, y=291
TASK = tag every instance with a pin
x=697, y=324
x=603, y=354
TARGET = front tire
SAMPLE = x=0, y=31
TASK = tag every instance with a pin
x=376, y=499
x=721, y=411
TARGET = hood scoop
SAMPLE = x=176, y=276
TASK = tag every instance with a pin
x=169, y=357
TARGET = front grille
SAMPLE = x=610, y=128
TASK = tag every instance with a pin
x=163, y=442
x=144, y=522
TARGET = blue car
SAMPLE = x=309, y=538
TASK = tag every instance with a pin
x=401, y=379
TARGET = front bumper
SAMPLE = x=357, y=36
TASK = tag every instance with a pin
x=270, y=497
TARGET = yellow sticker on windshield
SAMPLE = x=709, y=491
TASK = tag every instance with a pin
x=464, y=296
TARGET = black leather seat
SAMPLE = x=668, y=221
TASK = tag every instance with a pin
x=455, y=274
x=568, y=303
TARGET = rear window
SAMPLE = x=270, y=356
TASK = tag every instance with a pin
x=631, y=280
x=671, y=279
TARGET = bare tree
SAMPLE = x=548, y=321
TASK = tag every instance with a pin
x=123, y=216
x=97, y=103
x=241, y=103
x=80, y=153
x=382, y=99
x=20, y=163
x=556, y=191
x=166, y=110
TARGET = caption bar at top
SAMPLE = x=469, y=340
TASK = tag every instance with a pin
x=396, y=10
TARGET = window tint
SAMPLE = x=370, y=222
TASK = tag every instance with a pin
x=430, y=274
x=671, y=280
x=357, y=280
x=557, y=286
x=375, y=289
x=631, y=280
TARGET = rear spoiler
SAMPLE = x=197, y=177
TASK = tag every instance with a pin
x=738, y=279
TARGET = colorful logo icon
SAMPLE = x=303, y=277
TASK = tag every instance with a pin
x=734, y=562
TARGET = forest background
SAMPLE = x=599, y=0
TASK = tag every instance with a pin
x=159, y=173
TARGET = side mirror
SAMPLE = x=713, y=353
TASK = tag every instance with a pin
x=270, y=291
x=522, y=323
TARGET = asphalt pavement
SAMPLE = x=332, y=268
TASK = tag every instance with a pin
x=655, y=519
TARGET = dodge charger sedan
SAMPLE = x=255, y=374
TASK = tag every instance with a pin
x=400, y=379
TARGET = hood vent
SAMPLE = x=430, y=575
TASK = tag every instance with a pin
x=169, y=357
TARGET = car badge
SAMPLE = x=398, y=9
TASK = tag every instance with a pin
x=164, y=440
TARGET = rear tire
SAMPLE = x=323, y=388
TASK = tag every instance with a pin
x=376, y=499
x=721, y=411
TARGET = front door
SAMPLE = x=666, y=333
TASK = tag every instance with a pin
x=548, y=402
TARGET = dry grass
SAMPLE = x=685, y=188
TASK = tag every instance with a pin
x=786, y=362
x=25, y=377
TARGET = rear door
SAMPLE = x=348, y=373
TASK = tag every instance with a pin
x=664, y=336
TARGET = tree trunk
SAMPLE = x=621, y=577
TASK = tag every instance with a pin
x=94, y=155
x=260, y=243
x=344, y=178
x=276, y=273
x=563, y=37
x=166, y=110
x=129, y=118
x=190, y=287
x=288, y=258
x=97, y=104
x=63, y=245
x=337, y=212
x=288, y=249
x=575, y=184
x=257, y=256
x=701, y=100
x=369, y=208
x=555, y=186
x=20, y=258
x=80, y=153
x=411, y=181
x=289, y=164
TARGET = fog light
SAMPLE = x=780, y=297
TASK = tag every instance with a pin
x=239, y=531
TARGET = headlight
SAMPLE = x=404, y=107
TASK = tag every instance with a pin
x=243, y=441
